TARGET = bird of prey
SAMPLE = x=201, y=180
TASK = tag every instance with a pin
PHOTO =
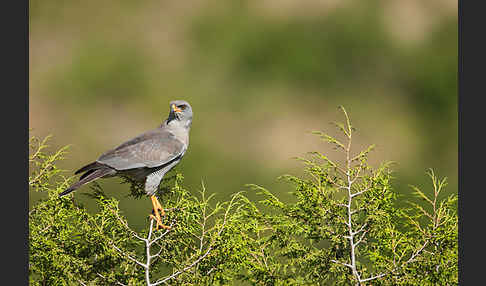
x=145, y=158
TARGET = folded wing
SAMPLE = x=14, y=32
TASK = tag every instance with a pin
x=151, y=149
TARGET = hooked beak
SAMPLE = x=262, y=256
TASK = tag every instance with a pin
x=176, y=109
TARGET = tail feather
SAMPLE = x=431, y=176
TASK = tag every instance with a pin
x=86, y=174
x=86, y=178
x=91, y=166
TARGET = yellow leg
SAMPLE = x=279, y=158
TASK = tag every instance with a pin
x=157, y=208
x=157, y=205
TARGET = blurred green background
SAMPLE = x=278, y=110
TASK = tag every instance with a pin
x=260, y=75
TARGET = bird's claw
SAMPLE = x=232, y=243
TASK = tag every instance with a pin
x=155, y=211
x=160, y=209
x=158, y=220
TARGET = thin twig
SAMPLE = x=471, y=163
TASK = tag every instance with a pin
x=342, y=263
x=117, y=282
x=414, y=255
x=184, y=269
x=361, y=238
x=373, y=277
x=129, y=257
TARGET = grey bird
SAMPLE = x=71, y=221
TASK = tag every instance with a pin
x=145, y=158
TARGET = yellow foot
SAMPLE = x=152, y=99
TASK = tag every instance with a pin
x=158, y=208
x=159, y=225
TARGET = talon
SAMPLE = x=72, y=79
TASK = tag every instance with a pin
x=157, y=218
x=159, y=223
x=163, y=226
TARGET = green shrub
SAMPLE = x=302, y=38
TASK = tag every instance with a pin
x=70, y=246
x=344, y=227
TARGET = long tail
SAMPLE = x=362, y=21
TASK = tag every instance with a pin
x=91, y=166
x=93, y=172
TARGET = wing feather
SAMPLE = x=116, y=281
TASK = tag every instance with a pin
x=151, y=149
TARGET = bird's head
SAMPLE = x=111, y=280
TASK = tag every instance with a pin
x=180, y=113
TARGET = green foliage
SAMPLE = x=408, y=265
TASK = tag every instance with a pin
x=70, y=246
x=42, y=166
x=344, y=227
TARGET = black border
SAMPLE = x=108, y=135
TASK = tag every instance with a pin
x=471, y=80
x=14, y=23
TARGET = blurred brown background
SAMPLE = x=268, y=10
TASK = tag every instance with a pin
x=260, y=75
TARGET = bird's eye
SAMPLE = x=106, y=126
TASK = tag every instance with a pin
x=183, y=107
